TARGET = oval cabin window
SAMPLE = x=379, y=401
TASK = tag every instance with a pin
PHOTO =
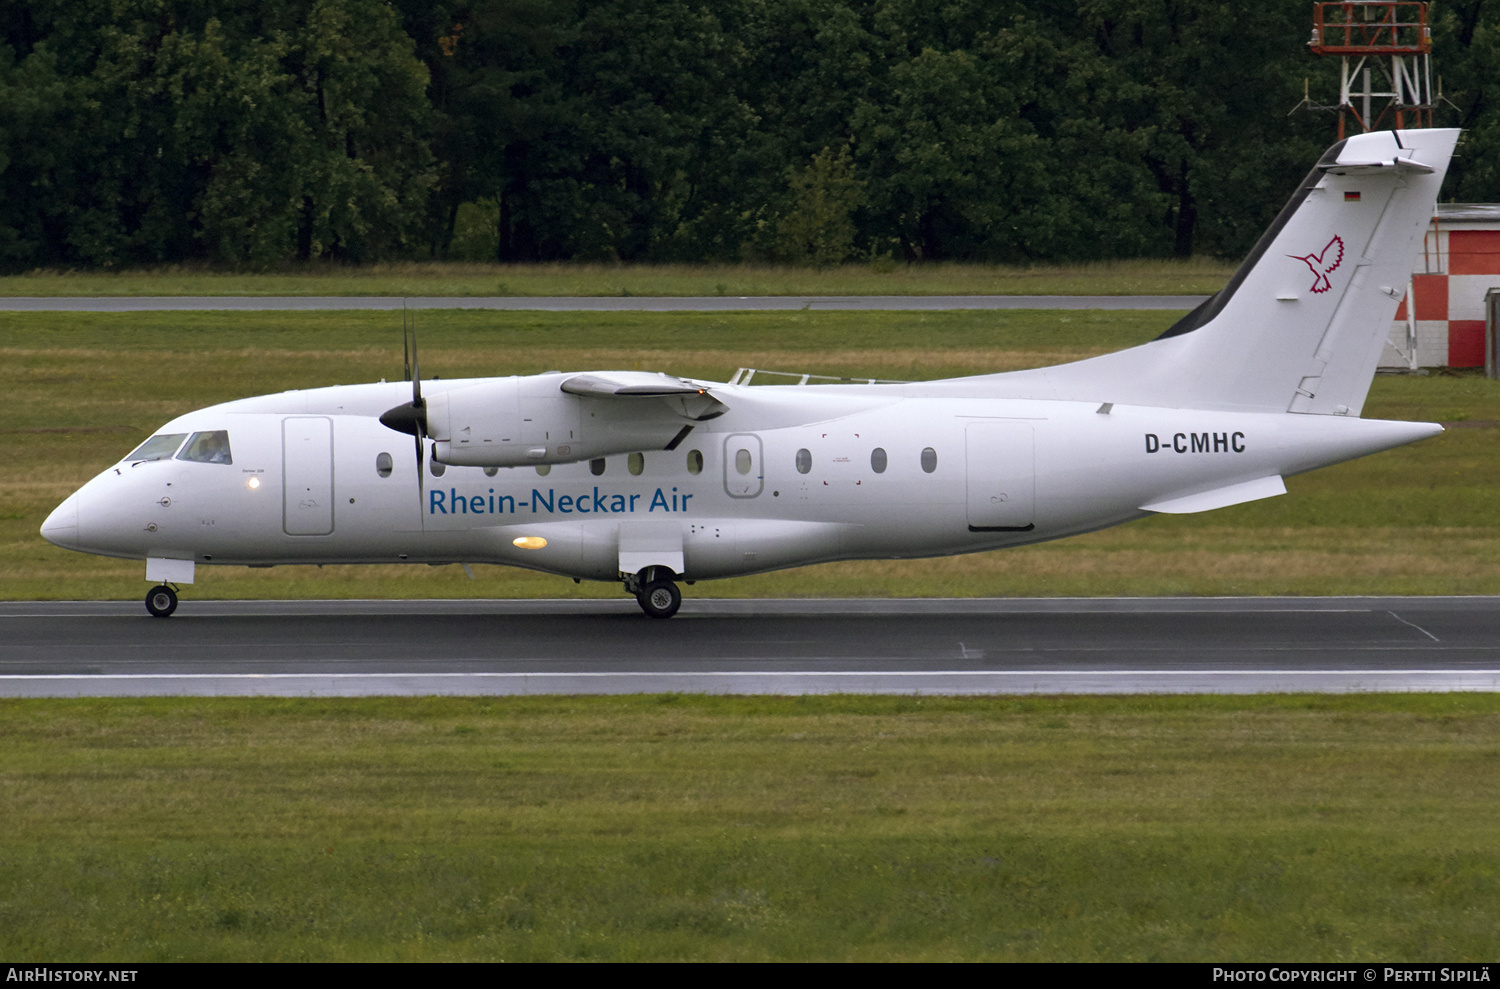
x=383, y=464
x=596, y=467
x=636, y=463
x=804, y=461
x=742, y=461
x=929, y=460
x=695, y=462
x=878, y=460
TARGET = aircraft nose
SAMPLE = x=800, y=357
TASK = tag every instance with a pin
x=61, y=527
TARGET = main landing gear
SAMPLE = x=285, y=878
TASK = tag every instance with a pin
x=161, y=601
x=655, y=591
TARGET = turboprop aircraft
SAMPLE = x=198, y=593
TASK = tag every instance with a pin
x=649, y=479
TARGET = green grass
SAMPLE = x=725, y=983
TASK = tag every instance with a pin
x=1354, y=828
x=1198, y=277
x=83, y=388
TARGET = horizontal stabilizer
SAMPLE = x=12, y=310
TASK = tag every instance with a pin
x=1373, y=152
x=1207, y=501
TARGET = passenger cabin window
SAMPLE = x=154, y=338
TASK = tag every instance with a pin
x=207, y=448
x=158, y=447
x=491, y=471
x=804, y=461
x=929, y=460
x=695, y=462
x=544, y=469
x=596, y=467
x=742, y=461
x=433, y=467
x=383, y=465
x=636, y=463
x=878, y=460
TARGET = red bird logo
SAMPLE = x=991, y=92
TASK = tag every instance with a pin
x=1321, y=266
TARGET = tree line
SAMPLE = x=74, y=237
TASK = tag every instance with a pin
x=259, y=132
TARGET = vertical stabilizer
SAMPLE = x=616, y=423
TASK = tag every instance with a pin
x=1300, y=326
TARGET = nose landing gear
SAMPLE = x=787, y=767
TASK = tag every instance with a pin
x=161, y=601
x=655, y=591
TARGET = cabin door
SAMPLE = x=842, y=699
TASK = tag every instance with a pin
x=307, y=475
x=1001, y=465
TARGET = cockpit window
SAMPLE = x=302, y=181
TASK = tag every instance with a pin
x=208, y=448
x=159, y=447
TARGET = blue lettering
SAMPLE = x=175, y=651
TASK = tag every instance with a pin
x=684, y=501
x=583, y=504
x=476, y=503
x=511, y=508
x=565, y=504
x=658, y=499
x=538, y=502
x=633, y=500
x=599, y=505
x=457, y=502
x=435, y=501
x=617, y=504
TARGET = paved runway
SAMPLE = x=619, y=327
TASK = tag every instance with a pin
x=600, y=304
x=1000, y=646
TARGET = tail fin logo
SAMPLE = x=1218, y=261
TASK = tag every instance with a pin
x=1323, y=264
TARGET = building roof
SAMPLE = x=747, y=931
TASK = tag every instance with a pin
x=1468, y=212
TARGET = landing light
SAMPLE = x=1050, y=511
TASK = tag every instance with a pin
x=529, y=542
x=254, y=483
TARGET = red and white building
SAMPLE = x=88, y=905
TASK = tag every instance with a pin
x=1442, y=320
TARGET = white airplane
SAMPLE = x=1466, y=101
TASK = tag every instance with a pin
x=649, y=479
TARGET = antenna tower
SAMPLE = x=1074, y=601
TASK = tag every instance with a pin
x=1390, y=38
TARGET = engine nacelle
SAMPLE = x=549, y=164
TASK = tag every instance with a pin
x=514, y=422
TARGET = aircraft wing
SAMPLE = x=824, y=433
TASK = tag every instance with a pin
x=691, y=398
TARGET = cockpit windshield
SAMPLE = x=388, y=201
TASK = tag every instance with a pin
x=208, y=448
x=158, y=447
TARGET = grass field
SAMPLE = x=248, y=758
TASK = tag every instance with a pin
x=1356, y=828
x=1197, y=277
x=83, y=389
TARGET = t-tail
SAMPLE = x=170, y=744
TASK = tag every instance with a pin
x=1301, y=325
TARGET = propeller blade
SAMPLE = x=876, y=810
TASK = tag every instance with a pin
x=405, y=345
x=421, y=492
x=416, y=368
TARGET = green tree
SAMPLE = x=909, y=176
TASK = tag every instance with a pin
x=819, y=227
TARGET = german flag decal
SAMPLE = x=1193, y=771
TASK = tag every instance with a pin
x=1351, y=197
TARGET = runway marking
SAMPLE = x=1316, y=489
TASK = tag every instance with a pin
x=1414, y=625
x=644, y=674
x=211, y=610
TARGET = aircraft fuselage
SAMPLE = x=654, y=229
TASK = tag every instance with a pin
x=789, y=476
